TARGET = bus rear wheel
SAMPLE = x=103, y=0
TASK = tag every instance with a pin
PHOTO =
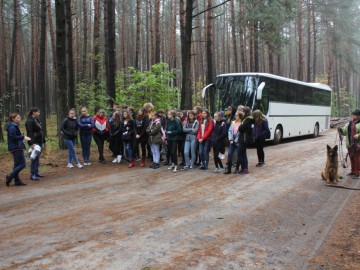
x=316, y=131
x=277, y=135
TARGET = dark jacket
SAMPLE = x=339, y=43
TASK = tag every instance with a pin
x=115, y=128
x=245, y=130
x=175, y=127
x=127, y=131
x=261, y=131
x=15, y=138
x=34, y=131
x=218, y=136
x=83, y=123
x=70, y=128
x=140, y=125
x=154, y=132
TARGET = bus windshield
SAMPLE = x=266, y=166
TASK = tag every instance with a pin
x=235, y=90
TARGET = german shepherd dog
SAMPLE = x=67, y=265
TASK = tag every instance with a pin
x=330, y=174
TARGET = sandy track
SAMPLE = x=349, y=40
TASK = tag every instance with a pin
x=112, y=217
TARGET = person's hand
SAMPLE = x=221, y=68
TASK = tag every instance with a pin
x=137, y=136
x=168, y=132
x=231, y=142
x=356, y=136
x=26, y=138
x=200, y=140
x=89, y=125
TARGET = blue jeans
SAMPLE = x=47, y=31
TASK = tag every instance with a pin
x=34, y=167
x=85, y=146
x=190, y=147
x=19, y=164
x=70, y=144
x=128, y=149
x=204, y=149
x=242, y=156
x=233, y=148
x=155, y=149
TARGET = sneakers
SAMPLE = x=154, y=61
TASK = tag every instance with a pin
x=260, y=164
x=356, y=176
x=115, y=160
x=216, y=170
x=79, y=165
x=171, y=167
x=244, y=172
x=19, y=183
x=118, y=158
x=221, y=170
x=350, y=174
x=34, y=178
x=156, y=166
x=70, y=165
x=175, y=169
x=185, y=168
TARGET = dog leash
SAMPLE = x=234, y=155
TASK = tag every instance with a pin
x=343, y=160
x=341, y=186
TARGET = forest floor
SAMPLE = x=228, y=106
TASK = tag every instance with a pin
x=281, y=216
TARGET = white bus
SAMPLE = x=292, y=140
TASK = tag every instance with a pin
x=293, y=108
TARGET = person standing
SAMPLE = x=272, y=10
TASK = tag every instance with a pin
x=100, y=132
x=140, y=137
x=155, y=132
x=34, y=131
x=115, y=137
x=16, y=147
x=218, y=140
x=244, y=139
x=233, y=137
x=86, y=124
x=260, y=133
x=203, y=137
x=70, y=129
x=352, y=132
x=173, y=130
x=127, y=133
x=190, y=129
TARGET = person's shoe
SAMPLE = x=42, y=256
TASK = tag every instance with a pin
x=356, y=176
x=88, y=163
x=221, y=170
x=185, y=168
x=175, y=169
x=20, y=183
x=261, y=164
x=131, y=163
x=8, y=180
x=236, y=171
x=257, y=165
x=152, y=166
x=167, y=163
x=201, y=167
x=34, y=178
x=79, y=165
x=85, y=163
x=142, y=164
x=115, y=160
x=102, y=161
x=191, y=167
x=39, y=175
x=156, y=166
x=244, y=172
x=350, y=174
x=216, y=170
x=171, y=167
x=70, y=165
x=118, y=158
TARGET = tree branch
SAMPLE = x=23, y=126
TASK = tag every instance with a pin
x=210, y=8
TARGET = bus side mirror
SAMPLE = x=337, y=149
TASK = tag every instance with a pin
x=259, y=91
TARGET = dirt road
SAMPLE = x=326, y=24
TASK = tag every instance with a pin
x=112, y=217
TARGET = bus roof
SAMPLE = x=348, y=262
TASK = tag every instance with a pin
x=315, y=85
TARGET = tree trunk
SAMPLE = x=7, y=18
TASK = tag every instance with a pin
x=314, y=44
x=308, y=66
x=233, y=34
x=41, y=75
x=70, y=58
x=209, y=54
x=85, y=34
x=61, y=65
x=186, y=35
x=157, y=31
x=97, y=60
x=138, y=27
x=300, y=76
x=110, y=80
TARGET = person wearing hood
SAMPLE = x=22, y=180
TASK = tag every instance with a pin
x=16, y=147
x=86, y=124
x=140, y=137
x=156, y=138
x=218, y=141
x=352, y=132
x=100, y=132
x=70, y=129
x=34, y=131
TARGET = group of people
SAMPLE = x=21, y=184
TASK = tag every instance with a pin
x=135, y=136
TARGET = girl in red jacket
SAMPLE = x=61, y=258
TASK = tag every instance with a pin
x=101, y=131
x=203, y=137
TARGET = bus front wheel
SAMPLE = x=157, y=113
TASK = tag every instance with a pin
x=277, y=135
